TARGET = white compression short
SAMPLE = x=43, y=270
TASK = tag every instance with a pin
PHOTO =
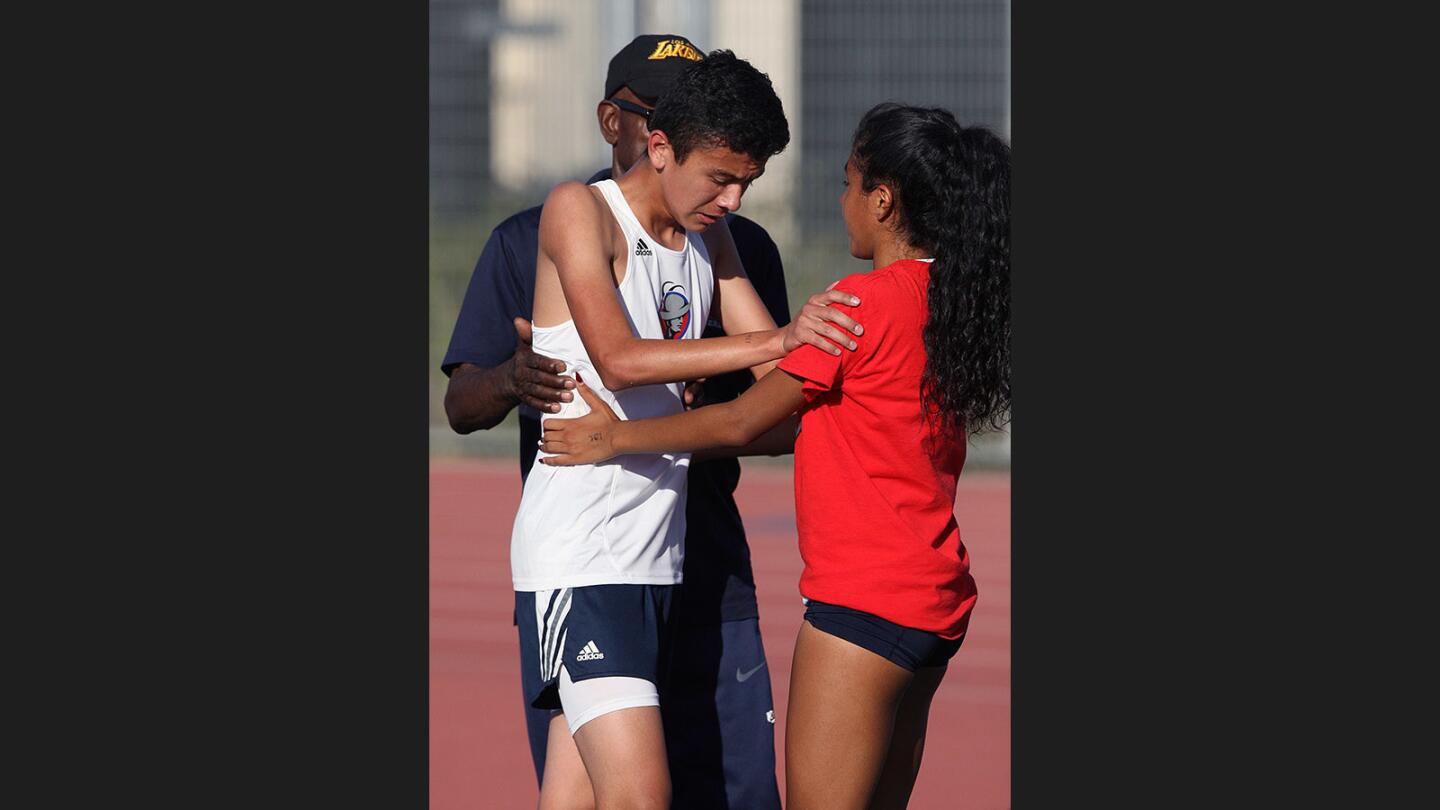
x=590, y=698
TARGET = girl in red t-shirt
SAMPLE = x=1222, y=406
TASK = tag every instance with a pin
x=887, y=582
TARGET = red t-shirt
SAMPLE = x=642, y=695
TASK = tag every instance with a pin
x=874, y=486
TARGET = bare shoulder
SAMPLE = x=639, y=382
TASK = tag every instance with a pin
x=574, y=208
x=569, y=200
x=568, y=194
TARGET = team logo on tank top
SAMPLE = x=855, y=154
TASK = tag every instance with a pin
x=674, y=311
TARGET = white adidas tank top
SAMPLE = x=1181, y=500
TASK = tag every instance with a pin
x=623, y=520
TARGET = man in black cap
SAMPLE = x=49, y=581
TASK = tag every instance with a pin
x=717, y=707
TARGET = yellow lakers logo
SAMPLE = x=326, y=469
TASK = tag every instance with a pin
x=674, y=47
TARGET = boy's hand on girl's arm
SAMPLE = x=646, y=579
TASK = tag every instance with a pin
x=816, y=324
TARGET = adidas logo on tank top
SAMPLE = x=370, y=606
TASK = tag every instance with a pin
x=642, y=249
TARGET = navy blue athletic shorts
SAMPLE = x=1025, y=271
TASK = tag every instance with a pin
x=717, y=708
x=903, y=646
x=594, y=631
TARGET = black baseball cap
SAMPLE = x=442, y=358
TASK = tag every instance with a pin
x=649, y=65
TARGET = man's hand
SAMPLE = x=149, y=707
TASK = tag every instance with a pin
x=695, y=394
x=586, y=440
x=533, y=377
x=813, y=324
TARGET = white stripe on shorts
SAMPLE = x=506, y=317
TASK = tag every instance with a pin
x=551, y=636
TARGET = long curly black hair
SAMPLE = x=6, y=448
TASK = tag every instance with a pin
x=952, y=192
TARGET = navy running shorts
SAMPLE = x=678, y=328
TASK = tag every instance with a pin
x=594, y=631
x=903, y=646
x=717, y=710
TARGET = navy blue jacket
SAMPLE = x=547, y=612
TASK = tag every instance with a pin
x=719, y=584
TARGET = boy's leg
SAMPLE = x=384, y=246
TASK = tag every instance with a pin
x=609, y=654
x=624, y=753
x=565, y=785
x=608, y=749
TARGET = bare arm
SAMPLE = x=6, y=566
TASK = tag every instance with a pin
x=575, y=247
x=739, y=306
x=479, y=398
x=777, y=441
x=600, y=434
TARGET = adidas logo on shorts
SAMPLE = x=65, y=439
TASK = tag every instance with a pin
x=642, y=249
x=589, y=652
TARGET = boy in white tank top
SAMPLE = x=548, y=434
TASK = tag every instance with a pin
x=627, y=275
x=618, y=523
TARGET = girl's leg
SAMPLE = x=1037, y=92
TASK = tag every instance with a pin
x=843, y=705
x=565, y=785
x=907, y=742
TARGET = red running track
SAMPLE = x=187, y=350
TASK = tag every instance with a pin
x=479, y=757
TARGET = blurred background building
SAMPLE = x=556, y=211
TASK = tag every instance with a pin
x=513, y=90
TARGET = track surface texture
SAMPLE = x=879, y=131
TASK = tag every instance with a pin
x=479, y=757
